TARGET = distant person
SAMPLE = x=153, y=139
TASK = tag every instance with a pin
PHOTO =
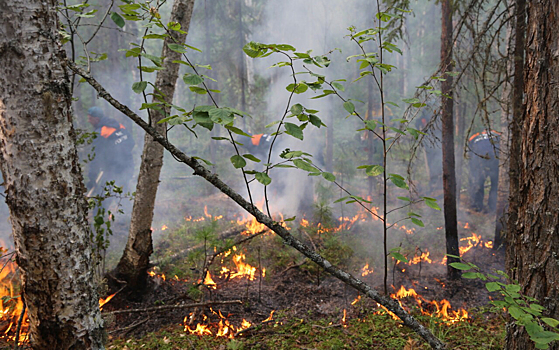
x=483, y=164
x=431, y=145
x=113, y=153
x=257, y=145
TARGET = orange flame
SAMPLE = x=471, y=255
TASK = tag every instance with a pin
x=104, y=301
x=164, y=227
x=209, y=282
x=269, y=317
x=442, y=309
x=366, y=271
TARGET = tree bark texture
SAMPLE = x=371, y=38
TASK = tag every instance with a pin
x=275, y=226
x=44, y=185
x=134, y=262
x=449, y=174
x=535, y=236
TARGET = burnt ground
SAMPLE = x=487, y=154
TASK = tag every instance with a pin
x=296, y=293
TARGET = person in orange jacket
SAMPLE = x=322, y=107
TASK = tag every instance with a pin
x=113, y=146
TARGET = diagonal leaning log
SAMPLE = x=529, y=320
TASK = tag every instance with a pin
x=391, y=304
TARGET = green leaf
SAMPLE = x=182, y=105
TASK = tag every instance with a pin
x=290, y=219
x=155, y=36
x=221, y=116
x=296, y=109
x=516, y=312
x=119, y=21
x=512, y=288
x=138, y=87
x=198, y=90
x=293, y=130
x=251, y=157
x=398, y=181
x=315, y=120
x=298, y=88
x=550, y=322
x=338, y=86
x=493, y=286
x=349, y=107
x=431, y=202
x=470, y=275
x=418, y=222
x=303, y=165
x=177, y=48
x=398, y=257
x=192, y=79
x=236, y=130
x=404, y=199
x=328, y=176
x=461, y=266
x=263, y=178
x=238, y=161
x=374, y=170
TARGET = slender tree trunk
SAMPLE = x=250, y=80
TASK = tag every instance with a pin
x=134, y=263
x=44, y=185
x=449, y=175
x=330, y=145
x=504, y=151
x=533, y=242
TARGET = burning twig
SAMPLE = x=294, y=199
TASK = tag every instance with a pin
x=251, y=328
x=18, y=329
x=171, y=307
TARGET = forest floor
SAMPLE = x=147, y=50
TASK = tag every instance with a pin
x=292, y=304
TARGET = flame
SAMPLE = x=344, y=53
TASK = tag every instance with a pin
x=164, y=227
x=269, y=317
x=467, y=225
x=104, y=301
x=417, y=259
x=221, y=329
x=11, y=303
x=344, y=319
x=243, y=269
x=209, y=282
x=366, y=271
x=440, y=309
x=356, y=300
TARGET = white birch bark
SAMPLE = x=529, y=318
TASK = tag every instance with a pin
x=44, y=185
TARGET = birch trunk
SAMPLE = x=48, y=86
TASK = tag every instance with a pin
x=44, y=185
x=134, y=262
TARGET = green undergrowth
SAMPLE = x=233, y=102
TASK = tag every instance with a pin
x=371, y=331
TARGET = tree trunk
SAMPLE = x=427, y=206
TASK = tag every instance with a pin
x=134, y=263
x=449, y=175
x=44, y=185
x=534, y=238
x=504, y=150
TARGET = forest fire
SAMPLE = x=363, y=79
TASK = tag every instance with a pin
x=221, y=329
x=366, y=271
x=11, y=305
x=103, y=301
x=439, y=309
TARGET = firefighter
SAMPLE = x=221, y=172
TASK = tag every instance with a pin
x=257, y=145
x=113, y=153
x=483, y=164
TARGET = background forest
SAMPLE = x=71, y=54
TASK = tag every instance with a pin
x=347, y=128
